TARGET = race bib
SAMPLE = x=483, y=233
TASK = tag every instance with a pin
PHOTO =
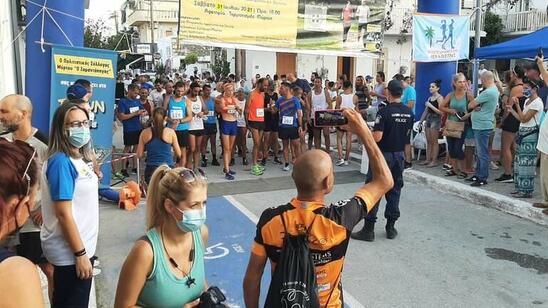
x=133, y=109
x=260, y=112
x=211, y=113
x=196, y=108
x=287, y=120
x=241, y=122
x=231, y=110
x=196, y=124
x=176, y=114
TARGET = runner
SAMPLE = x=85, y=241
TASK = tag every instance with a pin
x=364, y=100
x=271, y=119
x=319, y=99
x=210, y=127
x=298, y=93
x=229, y=128
x=157, y=95
x=291, y=123
x=347, y=100
x=129, y=112
x=241, y=140
x=179, y=115
x=196, y=128
x=254, y=111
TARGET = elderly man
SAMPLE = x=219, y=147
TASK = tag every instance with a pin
x=15, y=116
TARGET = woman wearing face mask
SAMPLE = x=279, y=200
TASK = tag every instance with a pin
x=70, y=207
x=158, y=141
x=525, y=161
x=432, y=117
x=165, y=268
x=19, y=280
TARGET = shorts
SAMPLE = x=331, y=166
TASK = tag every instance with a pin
x=291, y=133
x=197, y=133
x=510, y=124
x=272, y=125
x=255, y=125
x=149, y=171
x=229, y=128
x=182, y=138
x=131, y=138
x=210, y=129
x=454, y=147
x=433, y=121
x=30, y=247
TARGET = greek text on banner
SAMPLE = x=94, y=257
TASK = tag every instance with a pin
x=83, y=66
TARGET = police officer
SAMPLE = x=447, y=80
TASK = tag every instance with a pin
x=392, y=129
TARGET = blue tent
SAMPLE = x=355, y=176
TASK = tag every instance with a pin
x=523, y=47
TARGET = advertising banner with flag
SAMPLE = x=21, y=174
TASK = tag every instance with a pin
x=440, y=38
x=337, y=27
x=98, y=66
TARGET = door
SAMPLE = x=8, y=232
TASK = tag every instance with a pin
x=346, y=65
x=286, y=63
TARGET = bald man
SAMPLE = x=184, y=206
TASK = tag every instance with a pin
x=329, y=226
x=15, y=116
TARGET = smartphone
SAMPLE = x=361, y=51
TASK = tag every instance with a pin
x=329, y=118
x=540, y=53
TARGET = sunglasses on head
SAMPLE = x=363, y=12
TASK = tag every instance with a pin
x=190, y=176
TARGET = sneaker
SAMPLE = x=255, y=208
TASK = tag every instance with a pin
x=479, y=183
x=245, y=162
x=346, y=162
x=277, y=161
x=204, y=163
x=340, y=162
x=124, y=173
x=263, y=162
x=261, y=167
x=229, y=177
x=256, y=170
x=215, y=162
x=505, y=178
x=231, y=172
x=494, y=166
x=447, y=167
x=472, y=179
x=407, y=165
x=286, y=167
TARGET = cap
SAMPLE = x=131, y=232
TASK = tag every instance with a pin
x=76, y=91
x=395, y=87
x=368, y=77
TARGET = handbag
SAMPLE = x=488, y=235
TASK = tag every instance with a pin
x=453, y=129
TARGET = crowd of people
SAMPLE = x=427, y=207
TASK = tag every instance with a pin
x=49, y=203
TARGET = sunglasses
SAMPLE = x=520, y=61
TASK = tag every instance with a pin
x=190, y=176
x=26, y=175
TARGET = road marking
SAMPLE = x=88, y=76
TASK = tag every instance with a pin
x=349, y=300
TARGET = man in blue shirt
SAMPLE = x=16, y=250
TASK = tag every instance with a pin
x=408, y=99
x=129, y=112
x=291, y=122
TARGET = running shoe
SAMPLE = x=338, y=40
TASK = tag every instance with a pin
x=204, y=163
x=256, y=170
x=230, y=171
x=340, y=162
x=286, y=168
x=215, y=162
x=245, y=162
x=472, y=179
x=229, y=177
x=346, y=162
x=479, y=183
x=277, y=160
x=505, y=178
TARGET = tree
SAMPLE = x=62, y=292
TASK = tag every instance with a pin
x=493, y=29
x=95, y=33
x=191, y=58
x=429, y=34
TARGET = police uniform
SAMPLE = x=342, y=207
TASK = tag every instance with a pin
x=396, y=122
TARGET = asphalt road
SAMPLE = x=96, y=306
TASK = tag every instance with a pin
x=449, y=253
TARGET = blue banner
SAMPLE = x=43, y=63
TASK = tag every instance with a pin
x=69, y=64
x=440, y=38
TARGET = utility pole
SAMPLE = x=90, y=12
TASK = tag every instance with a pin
x=476, y=46
x=152, y=27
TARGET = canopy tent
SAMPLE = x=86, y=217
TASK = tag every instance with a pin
x=523, y=47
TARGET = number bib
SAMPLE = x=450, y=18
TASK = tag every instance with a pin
x=260, y=112
x=231, y=110
x=133, y=109
x=286, y=120
x=176, y=114
x=211, y=113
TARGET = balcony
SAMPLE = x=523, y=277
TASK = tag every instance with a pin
x=139, y=17
x=524, y=22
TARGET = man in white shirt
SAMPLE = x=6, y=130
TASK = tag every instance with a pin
x=362, y=12
x=157, y=95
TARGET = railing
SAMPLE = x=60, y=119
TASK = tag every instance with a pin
x=525, y=21
x=141, y=16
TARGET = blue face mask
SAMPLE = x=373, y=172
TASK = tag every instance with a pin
x=192, y=219
x=79, y=136
x=527, y=92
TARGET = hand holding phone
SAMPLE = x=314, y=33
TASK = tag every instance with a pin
x=329, y=118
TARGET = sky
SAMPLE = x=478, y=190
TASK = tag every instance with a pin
x=103, y=9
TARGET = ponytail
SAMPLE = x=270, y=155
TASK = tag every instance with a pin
x=158, y=116
x=156, y=198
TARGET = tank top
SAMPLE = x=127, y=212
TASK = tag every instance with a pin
x=347, y=101
x=379, y=89
x=162, y=288
x=256, y=107
x=362, y=99
x=510, y=120
x=4, y=254
x=177, y=110
x=318, y=102
x=241, y=117
x=435, y=104
x=210, y=103
x=158, y=152
x=460, y=105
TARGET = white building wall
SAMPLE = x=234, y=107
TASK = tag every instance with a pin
x=323, y=65
x=397, y=56
x=231, y=58
x=260, y=62
x=7, y=63
x=364, y=67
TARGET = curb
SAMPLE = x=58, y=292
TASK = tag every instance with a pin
x=479, y=196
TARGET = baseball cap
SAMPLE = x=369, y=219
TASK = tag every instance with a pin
x=395, y=87
x=76, y=91
x=368, y=77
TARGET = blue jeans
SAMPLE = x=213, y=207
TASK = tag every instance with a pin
x=394, y=160
x=482, y=153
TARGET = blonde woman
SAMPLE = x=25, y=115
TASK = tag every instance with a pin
x=165, y=268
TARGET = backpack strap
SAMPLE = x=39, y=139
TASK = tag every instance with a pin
x=332, y=290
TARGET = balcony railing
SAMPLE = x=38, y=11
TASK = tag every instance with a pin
x=527, y=21
x=141, y=16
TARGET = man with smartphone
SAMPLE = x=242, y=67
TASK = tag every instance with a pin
x=392, y=130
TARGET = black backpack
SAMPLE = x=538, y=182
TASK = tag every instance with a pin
x=294, y=281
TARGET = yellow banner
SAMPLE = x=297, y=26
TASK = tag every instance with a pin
x=273, y=23
x=83, y=66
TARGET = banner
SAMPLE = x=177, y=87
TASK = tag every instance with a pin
x=326, y=27
x=440, y=38
x=69, y=64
